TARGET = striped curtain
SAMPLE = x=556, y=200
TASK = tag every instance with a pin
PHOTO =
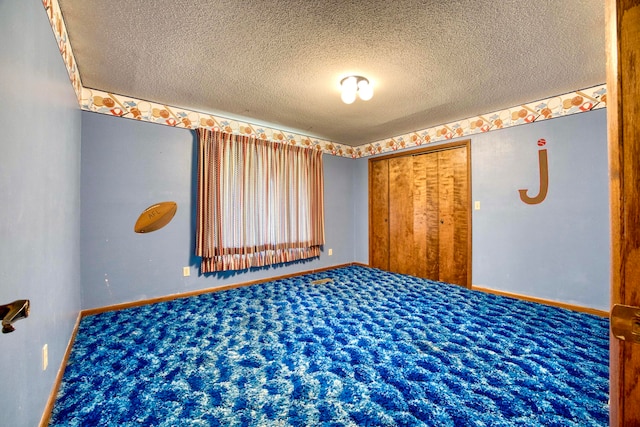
x=259, y=202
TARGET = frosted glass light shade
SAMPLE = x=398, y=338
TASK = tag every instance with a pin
x=349, y=87
x=349, y=84
x=353, y=87
x=365, y=90
x=348, y=96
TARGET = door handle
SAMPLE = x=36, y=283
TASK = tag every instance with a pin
x=625, y=323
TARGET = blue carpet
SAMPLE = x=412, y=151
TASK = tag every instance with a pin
x=370, y=349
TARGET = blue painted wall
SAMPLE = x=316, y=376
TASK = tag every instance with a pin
x=40, y=208
x=557, y=250
x=128, y=166
x=360, y=171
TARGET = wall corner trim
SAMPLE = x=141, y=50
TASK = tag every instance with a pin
x=543, y=301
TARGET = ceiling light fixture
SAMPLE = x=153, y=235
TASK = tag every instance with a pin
x=355, y=85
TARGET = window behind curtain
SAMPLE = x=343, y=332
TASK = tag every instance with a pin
x=259, y=202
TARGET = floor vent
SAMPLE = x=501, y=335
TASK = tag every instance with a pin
x=321, y=281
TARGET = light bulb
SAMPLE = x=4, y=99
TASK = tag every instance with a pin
x=348, y=96
x=349, y=84
x=365, y=90
x=349, y=88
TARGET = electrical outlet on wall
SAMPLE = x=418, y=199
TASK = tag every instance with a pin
x=186, y=271
x=330, y=252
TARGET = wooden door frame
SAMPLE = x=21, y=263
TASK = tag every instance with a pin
x=623, y=122
x=425, y=150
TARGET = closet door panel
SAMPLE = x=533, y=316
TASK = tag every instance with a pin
x=445, y=216
x=453, y=215
x=379, y=214
x=401, y=256
x=461, y=216
x=425, y=215
x=420, y=215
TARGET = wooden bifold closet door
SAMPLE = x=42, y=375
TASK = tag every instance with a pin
x=419, y=214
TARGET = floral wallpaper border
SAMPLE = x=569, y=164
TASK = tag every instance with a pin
x=579, y=101
x=122, y=106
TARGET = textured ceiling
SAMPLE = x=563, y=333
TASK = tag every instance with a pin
x=279, y=63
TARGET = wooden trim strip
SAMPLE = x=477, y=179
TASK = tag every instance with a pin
x=469, y=218
x=115, y=307
x=359, y=264
x=416, y=151
x=46, y=415
x=572, y=307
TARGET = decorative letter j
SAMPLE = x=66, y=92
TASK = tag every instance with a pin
x=544, y=181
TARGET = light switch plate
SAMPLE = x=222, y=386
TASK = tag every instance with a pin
x=45, y=357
